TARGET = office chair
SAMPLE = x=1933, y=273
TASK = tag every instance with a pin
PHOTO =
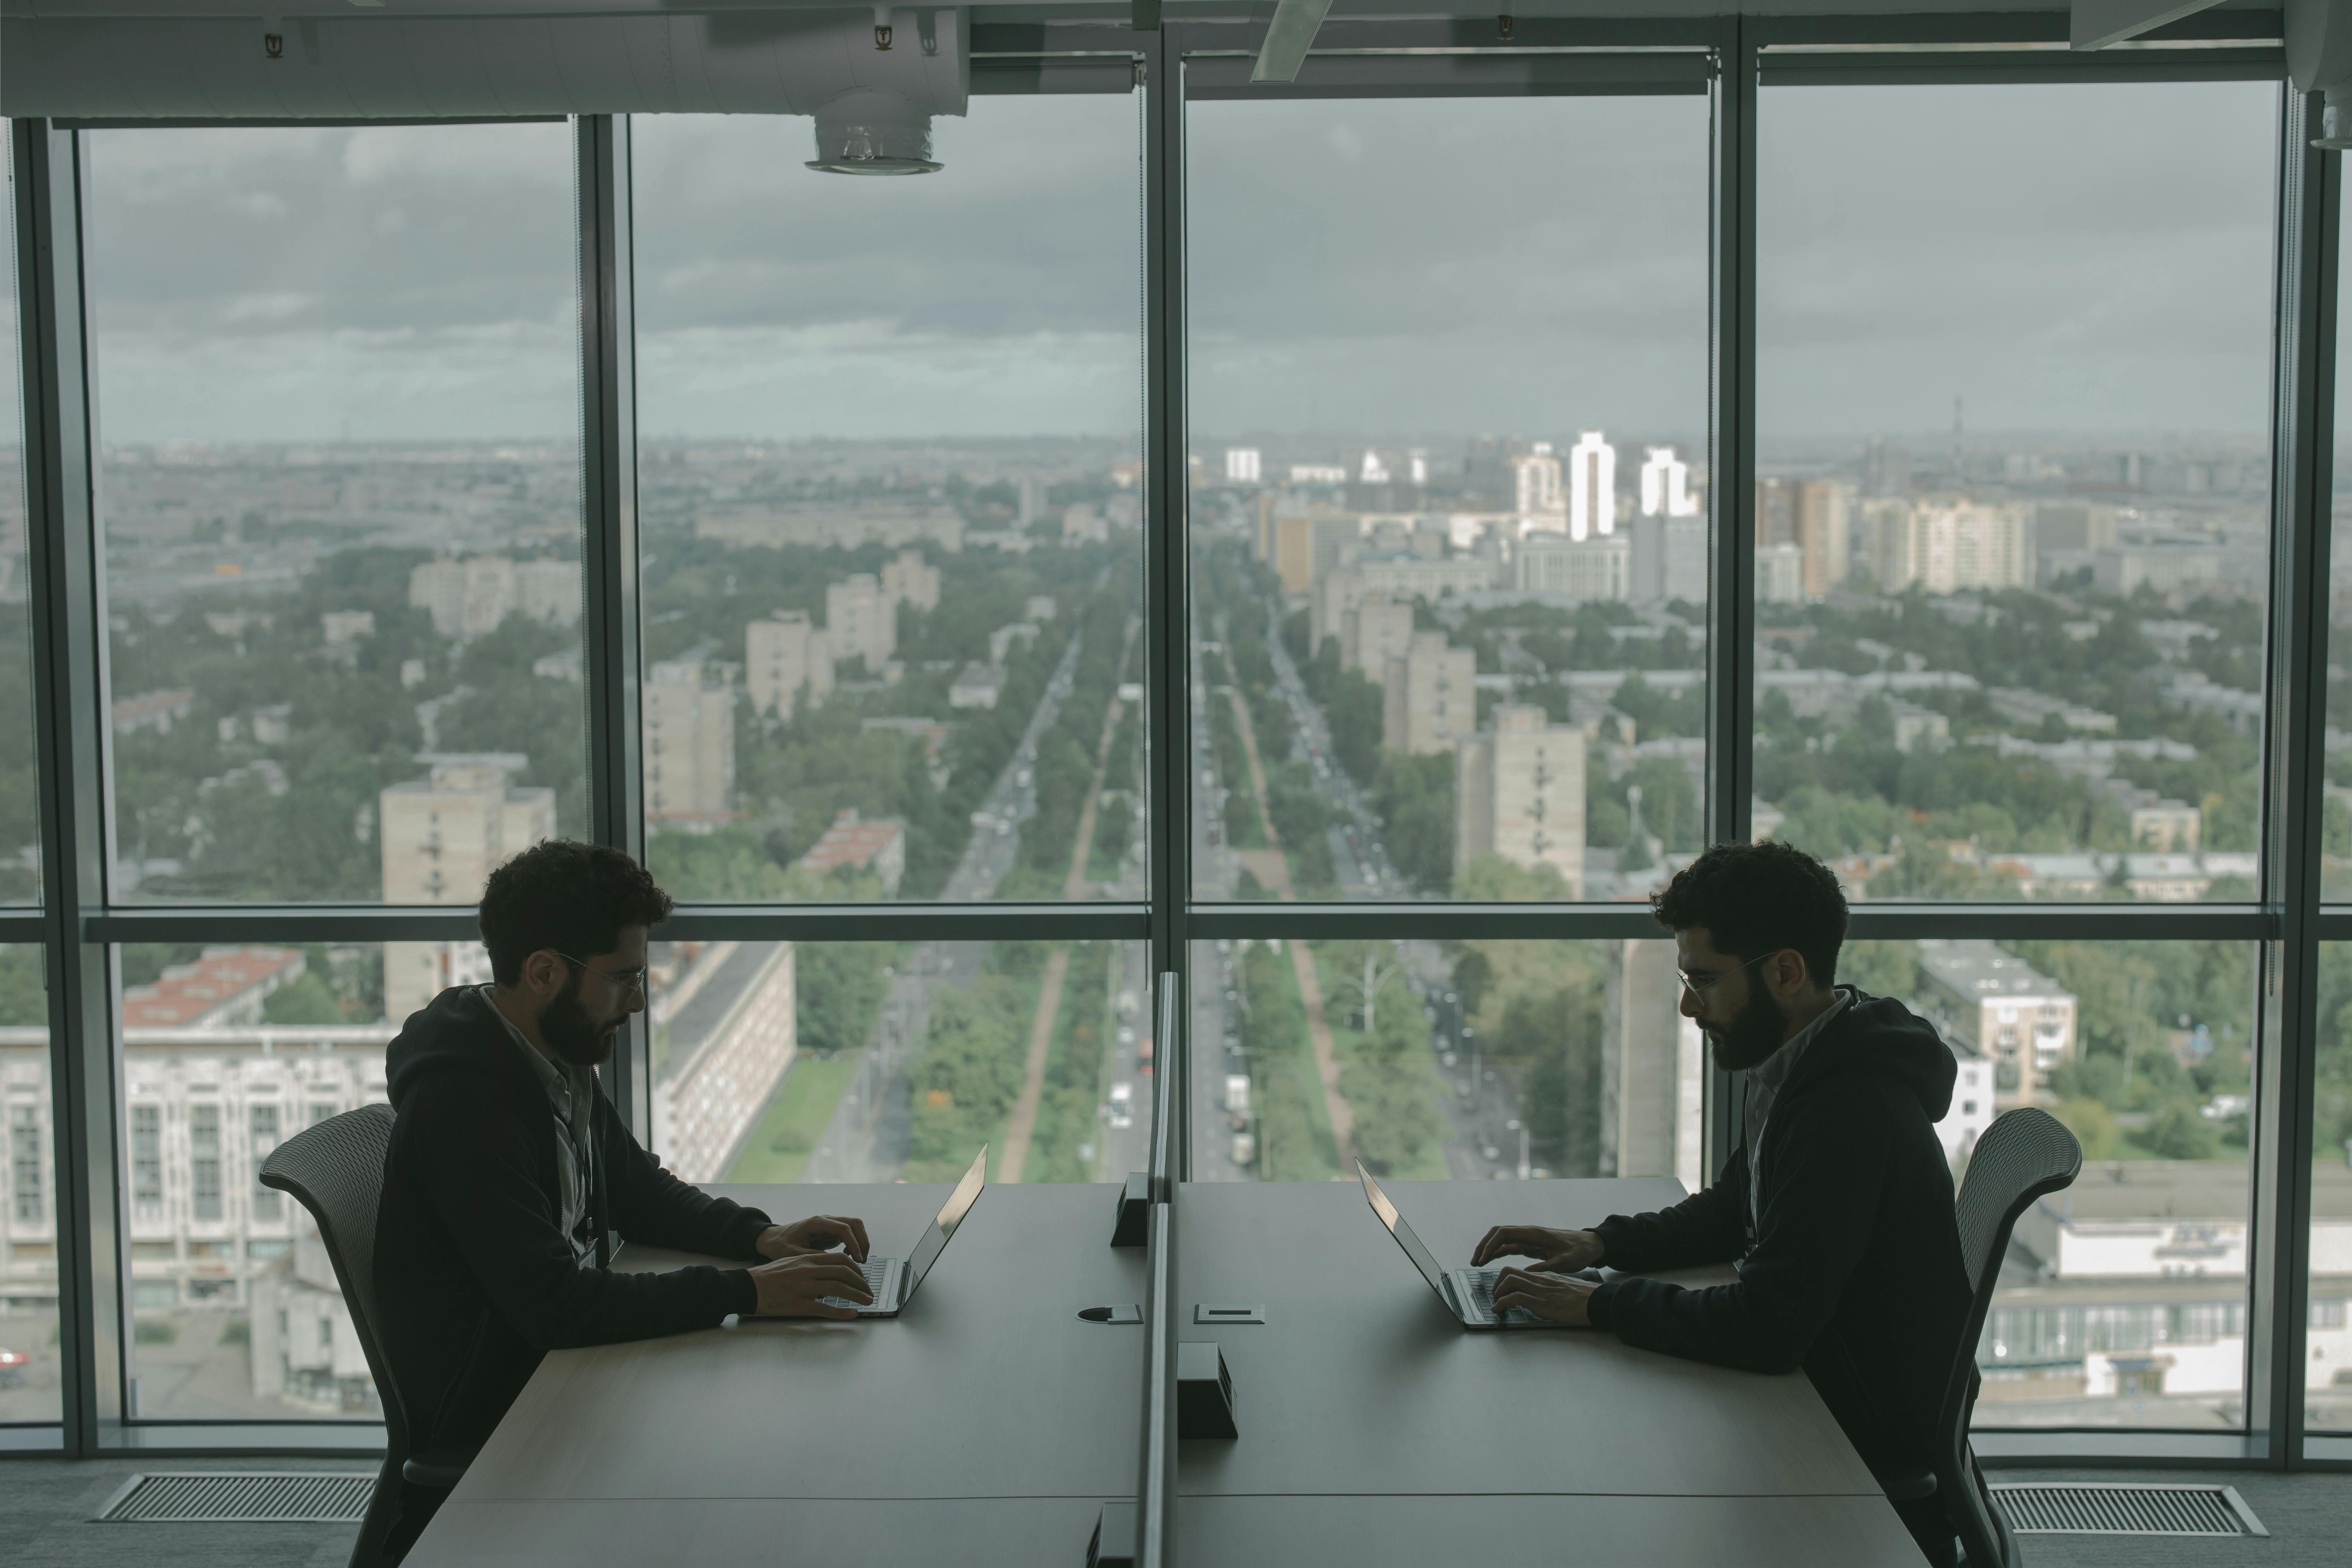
x=2021, y=1157
x=335, y=1170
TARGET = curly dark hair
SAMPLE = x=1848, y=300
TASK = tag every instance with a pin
x=565, y=895
x=1755, y=899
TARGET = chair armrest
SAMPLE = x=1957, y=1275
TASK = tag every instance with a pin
x=1906, y=1486
x=442, y=1469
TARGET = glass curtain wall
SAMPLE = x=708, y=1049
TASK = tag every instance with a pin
x=20, y=827
x=889, y=469
x=340, y=483
x=2012, y=529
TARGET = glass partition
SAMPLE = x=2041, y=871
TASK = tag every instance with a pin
x=889, y=467
x=337, y=379
x=885, y=1062
x=1448, y=525
x=2012, y=510
x=20, y=827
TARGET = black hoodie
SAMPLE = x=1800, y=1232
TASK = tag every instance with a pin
x=1855, y=1272
x=474, y=1279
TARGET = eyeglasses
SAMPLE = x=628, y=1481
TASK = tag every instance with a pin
x=1699, y=988
x=626, y=979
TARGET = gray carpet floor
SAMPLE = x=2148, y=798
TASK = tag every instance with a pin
x=46, y=1507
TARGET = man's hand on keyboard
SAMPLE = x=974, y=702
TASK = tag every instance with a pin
x=1559, y=1297
x=1562, y=1251
x=815, y=1234
x=796, y=1286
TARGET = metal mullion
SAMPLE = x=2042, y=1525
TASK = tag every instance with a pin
x=20, y=926
x=2064, y=923
x=282, y=923
x=1732, y=491
x=60, y=448
x=2000, y=66
x=1166, y=602
x=1869, y=922
x=912, y=923
x=608, y=495
x=1528, y=34
x=2279, y=1249
x=2051, y=27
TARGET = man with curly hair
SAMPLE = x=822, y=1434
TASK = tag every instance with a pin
x=1837, y=1207
x=510, y=1170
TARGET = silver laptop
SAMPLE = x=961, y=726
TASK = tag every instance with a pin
x=1468, y=1293
x=894, y=1280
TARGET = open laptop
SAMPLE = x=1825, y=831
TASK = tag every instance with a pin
x=1468, y=1293
x=894, y=1280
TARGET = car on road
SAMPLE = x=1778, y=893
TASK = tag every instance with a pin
x=1121, y=1109
x=12, y=1367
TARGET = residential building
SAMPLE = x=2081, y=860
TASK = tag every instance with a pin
x=912, y=580
x=1535, y=488
x=441, y=837
x=2001, y=1009
x=724, y=1019
x=1667, y=560
x=1810, y=514
x=156, y=710
x=976, y=685
x=1885, y=468
x=1243, y=464
x=783, y=656
x=1652, y=1069
x=2167, y=827
x=1519, y=792
x=469, y=598
x=878, y=845
x=1779, y=575
x=689, y=730
x=1432, y=696
x=1373, y=632
x=2167, y=568
x=1947, y=544
x=1598, y=569
x=860, y=621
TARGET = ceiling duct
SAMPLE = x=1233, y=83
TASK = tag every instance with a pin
x=874, y=105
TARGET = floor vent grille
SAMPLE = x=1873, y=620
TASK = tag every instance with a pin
x=242, y=1497
x=2125, y=1508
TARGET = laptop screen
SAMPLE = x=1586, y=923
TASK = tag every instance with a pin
x=959, y=1203
x=1413, y=1249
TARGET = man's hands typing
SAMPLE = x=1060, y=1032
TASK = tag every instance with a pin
x=1562, y=1251
x=795, y=1287
x=814, y=1234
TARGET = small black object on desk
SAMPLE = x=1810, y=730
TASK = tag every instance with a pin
x=1132, y=1226
x=1204, y=1392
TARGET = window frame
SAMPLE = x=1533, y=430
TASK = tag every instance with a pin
x=82, y=928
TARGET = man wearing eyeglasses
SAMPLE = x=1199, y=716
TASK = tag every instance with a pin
x=1837, y=1207
x=510, y=1171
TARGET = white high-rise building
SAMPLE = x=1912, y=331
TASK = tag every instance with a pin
x=1243, y=465
x=1519, y=793
x=1591, y=487
x=1666, y=485
x=1536, y=483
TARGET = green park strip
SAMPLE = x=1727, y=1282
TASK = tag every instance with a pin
x=961, y=1089
x=1391, y=1084
x=1294, y=1130
x=1067, y=1113
x=779, y=1144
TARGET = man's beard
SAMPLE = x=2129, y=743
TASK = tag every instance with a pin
x=1754, y=1032
x=570, y=1033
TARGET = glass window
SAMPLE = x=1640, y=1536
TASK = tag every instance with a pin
x=891, y=514
x=20, y=825
x=880, y=1062
x=217, y=1043
x=1449, y=525
x=2328, y=1389
x=2122, y=1301
x=2012, y=509
x=28, y=1234
x=338, y=383
x=1469, y=1061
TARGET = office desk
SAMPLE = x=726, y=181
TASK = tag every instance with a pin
x=1374, y=1429
x=987, y=1426
x=988, y=1420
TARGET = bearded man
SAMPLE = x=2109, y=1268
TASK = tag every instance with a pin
x=509, y=1171
x=1837, y=1207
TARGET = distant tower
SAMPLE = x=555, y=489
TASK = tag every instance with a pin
x=1666, y=485
x=1591, y=487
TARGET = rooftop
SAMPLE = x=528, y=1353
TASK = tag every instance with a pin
x=1980, y=968
x=198, y=994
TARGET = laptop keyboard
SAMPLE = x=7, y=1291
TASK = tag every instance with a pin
x=1482, y=1298
x=876, y=1268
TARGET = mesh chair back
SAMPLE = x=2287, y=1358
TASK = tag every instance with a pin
x=335, y=1170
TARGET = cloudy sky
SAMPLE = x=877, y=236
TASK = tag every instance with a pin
x=2068, y=259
